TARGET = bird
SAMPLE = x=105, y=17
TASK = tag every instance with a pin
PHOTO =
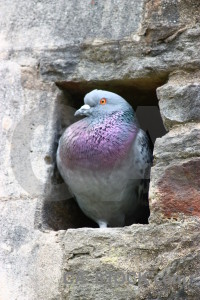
x=105, y=159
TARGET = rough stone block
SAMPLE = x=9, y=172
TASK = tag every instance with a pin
x=136, y=262
x=28, y=132
x=30, y=260
x=179, y=99
x=175, y=184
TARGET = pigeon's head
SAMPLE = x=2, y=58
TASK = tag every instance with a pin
x=102, y=102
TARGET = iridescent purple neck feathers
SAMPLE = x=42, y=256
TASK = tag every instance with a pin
x=99, y=143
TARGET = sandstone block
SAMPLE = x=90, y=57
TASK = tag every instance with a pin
x=175, y=184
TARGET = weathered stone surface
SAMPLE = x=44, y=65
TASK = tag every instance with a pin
x=179, y=99
x=90, y=41
x=137, y=262
x=28, y=130
x=175, y=188
x=30, y=261
x=175, y=184
x=128, y=47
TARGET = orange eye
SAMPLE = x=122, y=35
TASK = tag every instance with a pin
x=103, y=101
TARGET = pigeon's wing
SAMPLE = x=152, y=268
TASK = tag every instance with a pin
x=142, y=156
x=140, y=172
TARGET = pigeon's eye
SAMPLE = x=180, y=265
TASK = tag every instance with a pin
x=103, y=101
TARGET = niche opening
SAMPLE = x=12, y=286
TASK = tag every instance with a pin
x=65, y=213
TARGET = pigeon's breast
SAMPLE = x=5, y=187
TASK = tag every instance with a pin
x=96, y=145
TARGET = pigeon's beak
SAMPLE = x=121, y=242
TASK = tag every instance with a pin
x=83, y=111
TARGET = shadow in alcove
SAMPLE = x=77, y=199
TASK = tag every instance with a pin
x=65, y=213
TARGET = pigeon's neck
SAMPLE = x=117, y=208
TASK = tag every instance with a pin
x=123, y=117
x=100, y=143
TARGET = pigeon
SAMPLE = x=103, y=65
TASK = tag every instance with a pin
x=105, y=160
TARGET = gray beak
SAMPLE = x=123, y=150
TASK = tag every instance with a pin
x=83, y=111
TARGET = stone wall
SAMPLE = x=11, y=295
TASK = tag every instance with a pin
x=52, y=53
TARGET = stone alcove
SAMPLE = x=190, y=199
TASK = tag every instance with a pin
x=62, y=211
